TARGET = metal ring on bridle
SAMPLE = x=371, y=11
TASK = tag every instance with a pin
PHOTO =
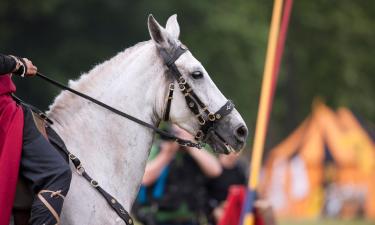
x=201, y=121
x=211, y=117
x=199, y=135
x=72, y=157
x=94, y=183
x=181, y=80
x=182, y=87
x=80, y=170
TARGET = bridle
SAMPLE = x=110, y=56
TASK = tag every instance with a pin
x=206, y=119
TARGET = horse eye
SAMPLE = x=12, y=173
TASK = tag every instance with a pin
x=197, y=74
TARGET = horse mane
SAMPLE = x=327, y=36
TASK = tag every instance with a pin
x=99, y=70
x=88, y=80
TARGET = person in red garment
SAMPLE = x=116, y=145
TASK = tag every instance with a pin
x=25, y=152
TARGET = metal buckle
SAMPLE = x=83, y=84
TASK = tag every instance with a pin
x=72, y=157
x=211, y=117
x=94, y=183
x=201, y=121
x=80, y=170
x=199, y=135
x=171, y=86
x=182, y=87
x=181, y=80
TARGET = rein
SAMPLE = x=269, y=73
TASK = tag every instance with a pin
x=162, y=133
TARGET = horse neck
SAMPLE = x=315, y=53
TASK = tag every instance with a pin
x=113, y=148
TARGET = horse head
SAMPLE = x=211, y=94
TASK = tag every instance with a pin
x=198, y=107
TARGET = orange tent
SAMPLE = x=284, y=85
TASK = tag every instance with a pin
x=326, y=166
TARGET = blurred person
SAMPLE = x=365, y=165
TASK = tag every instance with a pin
x=227, y=195
x=173, y=188
x=234, y=173
x=24, y=151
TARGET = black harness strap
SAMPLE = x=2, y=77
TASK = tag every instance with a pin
x=115, y=205
x=169, y=102
x=41, y=114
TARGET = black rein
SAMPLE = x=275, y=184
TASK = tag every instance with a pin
x=162, y=133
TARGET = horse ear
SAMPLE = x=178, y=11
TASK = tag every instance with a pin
x=172, y=26
x=157, y=32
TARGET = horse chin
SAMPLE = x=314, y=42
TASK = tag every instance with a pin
x=219, y=145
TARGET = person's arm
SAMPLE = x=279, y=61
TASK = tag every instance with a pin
x=207, y=162
x=8, y=64
x=156, y=166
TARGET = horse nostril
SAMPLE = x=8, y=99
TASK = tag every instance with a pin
x=241, y=132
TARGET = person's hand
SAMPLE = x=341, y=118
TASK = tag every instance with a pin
x=169, y=149
x=24, y=67
x=181, y=133
x=31, y=70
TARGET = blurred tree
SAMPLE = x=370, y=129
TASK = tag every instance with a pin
x=329, y=50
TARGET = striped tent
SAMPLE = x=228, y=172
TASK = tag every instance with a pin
x=326, y=166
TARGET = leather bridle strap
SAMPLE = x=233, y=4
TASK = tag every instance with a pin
x=169, y=102
x=192, y=100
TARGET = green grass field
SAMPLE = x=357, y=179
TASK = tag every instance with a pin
x=325, y=222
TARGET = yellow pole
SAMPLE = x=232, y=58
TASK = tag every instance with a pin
x=264, y=104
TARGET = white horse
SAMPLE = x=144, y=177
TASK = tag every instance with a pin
x=114, y=150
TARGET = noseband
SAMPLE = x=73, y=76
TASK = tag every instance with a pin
x=206, y=119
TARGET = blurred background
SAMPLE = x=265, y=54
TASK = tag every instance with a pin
x=329, y=56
